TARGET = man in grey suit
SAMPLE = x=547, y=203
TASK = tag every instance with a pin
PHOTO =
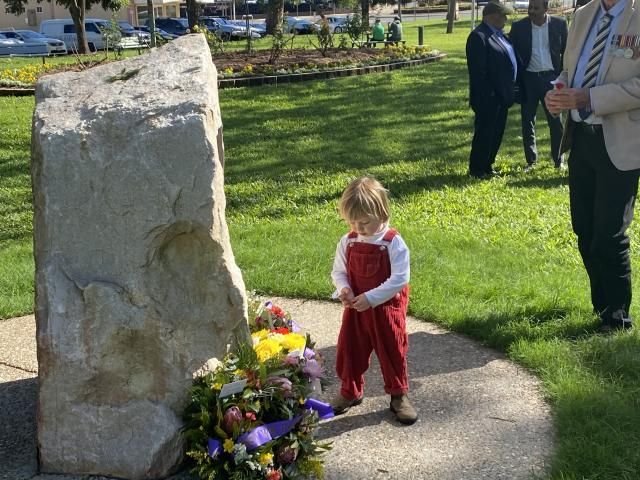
x=539, y=41
x=602, y=75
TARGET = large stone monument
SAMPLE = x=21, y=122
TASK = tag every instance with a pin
x=136, y=283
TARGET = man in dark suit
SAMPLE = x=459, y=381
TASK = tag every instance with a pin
x=602, y=100
x=539, y=42
x=492, y=66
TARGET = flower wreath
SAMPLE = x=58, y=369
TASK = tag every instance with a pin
x=253, y=416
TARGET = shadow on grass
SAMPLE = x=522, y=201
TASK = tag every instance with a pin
x=600, y=409
x=346, y=126
x=501, y=330
x=551, y=182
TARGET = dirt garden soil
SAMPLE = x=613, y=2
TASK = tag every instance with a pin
x=259, y=60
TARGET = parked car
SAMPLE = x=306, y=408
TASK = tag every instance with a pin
x=256, y=31
x=173, y=25
x=300, y=26
x=163, y=33
x=54, y=46
x=336, y=24
x=261, y=28
x=129, y=30
x=521, y=5
x=15, y=47
x=227, y=30
x=65, y=30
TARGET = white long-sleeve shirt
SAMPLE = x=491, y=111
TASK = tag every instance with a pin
x=398, y=257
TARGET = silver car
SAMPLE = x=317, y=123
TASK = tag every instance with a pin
x=54, y=46
x=18, y=48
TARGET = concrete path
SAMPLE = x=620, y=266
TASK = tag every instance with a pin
x=481, y=416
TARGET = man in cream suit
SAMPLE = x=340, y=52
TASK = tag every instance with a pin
x=601, y=76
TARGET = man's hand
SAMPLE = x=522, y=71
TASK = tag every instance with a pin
x=346, y=296
x=361, y=303
x=567, y=99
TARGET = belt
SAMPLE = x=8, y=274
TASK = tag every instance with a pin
x=541, y=74
x=589, y=128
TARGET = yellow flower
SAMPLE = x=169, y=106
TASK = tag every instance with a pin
x=217, y=386
x=293, y=341
x=277, y=337
x=239, y=372
x=261, y=334
x=267, y=349
x=228, y=445
x=301, y=401
x=265, y=458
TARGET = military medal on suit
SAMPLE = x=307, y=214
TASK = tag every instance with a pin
x=625, y=46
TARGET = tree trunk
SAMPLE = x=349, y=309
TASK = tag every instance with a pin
x=192, y=13
x=451, y=14
x=152, y=22
x=77, y=9
x=364, y=6
x=275, y=16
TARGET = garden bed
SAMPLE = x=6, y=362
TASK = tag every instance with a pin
x=254, y=68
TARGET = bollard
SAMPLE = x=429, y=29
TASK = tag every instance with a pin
x=421, y=35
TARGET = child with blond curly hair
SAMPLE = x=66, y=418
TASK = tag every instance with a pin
x=371, y=276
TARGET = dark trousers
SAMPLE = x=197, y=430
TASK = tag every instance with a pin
x=536, y=85
x=602, y=200
x=488, y=128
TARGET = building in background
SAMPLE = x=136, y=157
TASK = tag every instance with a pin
x=136, y=13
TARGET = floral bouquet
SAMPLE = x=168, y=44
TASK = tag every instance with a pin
x=253, y=416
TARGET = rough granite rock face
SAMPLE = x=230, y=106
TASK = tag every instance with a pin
x=136, y=283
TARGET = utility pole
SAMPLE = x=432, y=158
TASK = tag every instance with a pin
x=152, y=22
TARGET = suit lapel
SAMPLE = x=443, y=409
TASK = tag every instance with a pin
x=527, y=33
x=621, y=28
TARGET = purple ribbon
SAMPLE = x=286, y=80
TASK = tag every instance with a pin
x=324, y=409
x=258, y=436
x=214, y=447
x=267, y=432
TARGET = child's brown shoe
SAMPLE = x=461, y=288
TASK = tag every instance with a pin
x=341, y=405
x=405, y=413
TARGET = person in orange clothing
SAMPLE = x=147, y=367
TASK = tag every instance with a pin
x=371, y=276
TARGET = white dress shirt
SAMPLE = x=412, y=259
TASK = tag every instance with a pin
x=540, y=53
x=398, y=257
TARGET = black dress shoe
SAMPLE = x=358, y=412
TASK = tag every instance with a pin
x=479, y=176
x=615, y=325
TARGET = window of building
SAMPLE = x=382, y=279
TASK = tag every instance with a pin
x=142, y=15
x=171, y=11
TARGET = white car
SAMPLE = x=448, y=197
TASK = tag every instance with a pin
x=336, y=24
x=226, y=29
x=54, y=46
x=18, y=48
x=521, y=5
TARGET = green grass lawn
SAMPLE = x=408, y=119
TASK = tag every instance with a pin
x=494, y=259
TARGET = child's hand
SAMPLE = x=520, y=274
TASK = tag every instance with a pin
x=346, y=297
x=361, y=303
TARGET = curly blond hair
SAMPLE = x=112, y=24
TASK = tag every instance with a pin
x=365, y=197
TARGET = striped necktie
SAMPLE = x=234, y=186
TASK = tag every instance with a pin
x=597, y=52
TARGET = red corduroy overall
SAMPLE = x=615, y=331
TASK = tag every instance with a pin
x=382, y=328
